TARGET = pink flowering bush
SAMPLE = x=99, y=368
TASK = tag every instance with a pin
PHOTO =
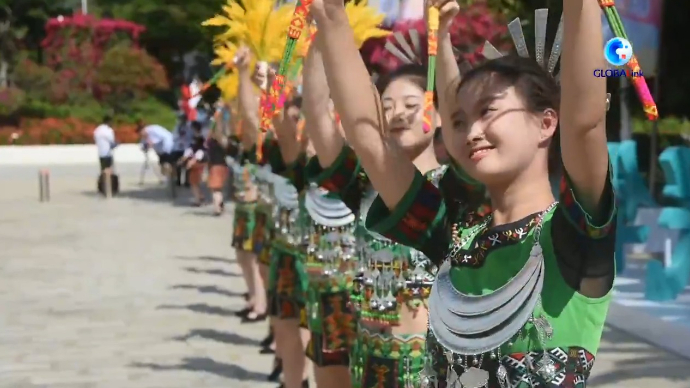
x=474, y=25
x=75, y=47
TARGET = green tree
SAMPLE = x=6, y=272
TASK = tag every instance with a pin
x=173, y=27
x=32, y=15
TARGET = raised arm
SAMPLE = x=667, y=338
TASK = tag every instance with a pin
x=358, y=104
x=248, y=99
x=327, y=140
x=583, y=105
x=290, y=147
x=447, y=72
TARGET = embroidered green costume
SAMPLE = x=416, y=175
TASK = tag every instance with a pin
x=389, y=276
x=251, y=225
x=287, y=277
x=244, y=219
x=330, y=265
x=557, y=347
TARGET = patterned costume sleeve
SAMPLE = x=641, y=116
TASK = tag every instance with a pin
x=273, y=156
x=295, y=172
x=420, y=220
x=584, y=246
x=343, y=178
x=579, y=218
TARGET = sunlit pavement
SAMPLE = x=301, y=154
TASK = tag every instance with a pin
x=139, y=292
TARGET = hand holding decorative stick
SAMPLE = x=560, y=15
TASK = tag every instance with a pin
x=432, y=35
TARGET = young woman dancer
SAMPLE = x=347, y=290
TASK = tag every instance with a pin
x=247, y=195
x=216, y=146
x=392, y=289
x=521, y=296
x=288, y=279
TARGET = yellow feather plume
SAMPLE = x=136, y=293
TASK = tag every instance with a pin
x=228, y=83
x=256, y=23
x=364, y=21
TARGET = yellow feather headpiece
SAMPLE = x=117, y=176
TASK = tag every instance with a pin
x=364, y=21
x=259, y=24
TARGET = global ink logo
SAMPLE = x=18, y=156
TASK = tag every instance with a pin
x=618, y=51
x=616, y=73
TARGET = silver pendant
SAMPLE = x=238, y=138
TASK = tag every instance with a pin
x=453, y=380
x=546, y=368
x=474, y=378
x=502, y=376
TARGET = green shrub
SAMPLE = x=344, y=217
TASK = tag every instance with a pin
x=667, y=126
x=11, y=100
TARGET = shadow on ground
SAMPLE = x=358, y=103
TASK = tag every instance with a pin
x=214, y=271
x=206, y=365
x=218, y=336
x=207, y=290
x=212, y=259
x=201, y=308
x=632, y=363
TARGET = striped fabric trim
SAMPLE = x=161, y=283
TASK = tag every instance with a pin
x=339, y=175
x=578, y=217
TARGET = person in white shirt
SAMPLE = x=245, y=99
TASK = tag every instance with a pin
x=162, y=142
x=104, y=137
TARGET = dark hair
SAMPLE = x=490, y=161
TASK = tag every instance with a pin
x=107, y=119
x=296, y=102
x=438, y=135
x=417, y=74
x=196, y=125
x=537, y=88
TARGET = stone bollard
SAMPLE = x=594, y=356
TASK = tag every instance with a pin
x=44, y=185
x=108, y=183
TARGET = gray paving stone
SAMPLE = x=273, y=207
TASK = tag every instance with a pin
x=138, y=292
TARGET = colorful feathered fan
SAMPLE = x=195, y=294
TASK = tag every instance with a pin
x=260, y=24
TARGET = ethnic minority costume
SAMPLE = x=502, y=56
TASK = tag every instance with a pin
x=252, y=228
x=272, y=166
x=508, y=308
x=388, y=276
x=243, y=181
x=330, y=263
x=262, y=26
x=329, y=246
x=287, y=275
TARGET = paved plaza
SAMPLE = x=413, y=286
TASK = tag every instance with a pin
x=139, y=292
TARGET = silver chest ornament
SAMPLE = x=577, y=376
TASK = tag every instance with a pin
x=286, y=211
x=470, y=327
x=334, y=221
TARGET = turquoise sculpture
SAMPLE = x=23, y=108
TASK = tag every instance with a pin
x=632, y=194
x=664, y=282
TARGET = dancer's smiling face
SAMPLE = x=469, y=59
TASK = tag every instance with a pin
x=504, y=120
x=403, y=108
